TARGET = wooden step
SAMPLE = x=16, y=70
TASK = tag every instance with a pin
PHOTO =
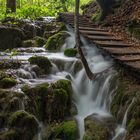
x=123, y=51
x=135, y=65
x=95, y=32
x=92, y=29
x=128, y=58
x=102, y=38
x=119, y=44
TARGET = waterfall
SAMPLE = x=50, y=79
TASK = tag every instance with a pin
x=120, y=131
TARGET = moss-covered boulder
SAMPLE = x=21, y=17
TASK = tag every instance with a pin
x=7, y=82
x=95, y=131
x=38, y=96
x=25, y=123
x=66, y=131
x=70, y=52
x=40, y=41
x=29, y=43
x=43, y=62
x=10, y=37
x=56, y=41
x=10, y=102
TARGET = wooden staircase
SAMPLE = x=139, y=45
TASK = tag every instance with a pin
x=125, y=54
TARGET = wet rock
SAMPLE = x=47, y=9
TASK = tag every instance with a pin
x=29, y=43
x=70, y=52
x=52, y=102
x=10, y=64
x=95, y=130
x=56, y=41
x=10, y=37
x=40, y=41
x=10, y=101
x=31, y=30
x=66, y=131
x=35, y=42
x=7, y=82
x=41, y=61
x=53, y=28
x=25, y=123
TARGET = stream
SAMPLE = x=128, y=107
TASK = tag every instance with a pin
x=91, y=98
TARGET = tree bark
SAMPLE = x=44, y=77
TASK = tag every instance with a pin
x=105, y=7
x=77, y=41
x=10, y=6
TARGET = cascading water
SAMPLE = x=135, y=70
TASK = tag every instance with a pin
x=90, y=97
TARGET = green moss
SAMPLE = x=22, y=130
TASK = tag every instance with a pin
x=117, y=101
x=134, y=31
x=43, y=62
x=11, y=135
x=7, y=82
x=40, y=41
x=24, y=121
x=29, y=43
x=68, y=131
x=70, y=52
x=95, y=131
x=56, y=41
x=133, y=125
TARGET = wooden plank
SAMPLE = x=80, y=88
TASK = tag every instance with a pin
x=122, y=51
x=95, y=32
x=128, y=58
x=112, y=43
x=92, y=29
x=102, y=38
x=135, y=65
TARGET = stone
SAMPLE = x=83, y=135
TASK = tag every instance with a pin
x=70, y=52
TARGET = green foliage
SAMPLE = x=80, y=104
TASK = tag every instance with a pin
x=95, y=16
x=37, y=8
x=70, y=52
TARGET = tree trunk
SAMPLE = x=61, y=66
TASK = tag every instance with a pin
x=105, y=7
x=77, y=40
x=10, y=6
x=64, y=5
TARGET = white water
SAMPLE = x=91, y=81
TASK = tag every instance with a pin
x=90, y=97
x=120, y=131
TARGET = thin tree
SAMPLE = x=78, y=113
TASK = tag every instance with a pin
x=10, y=6
x=77, y=40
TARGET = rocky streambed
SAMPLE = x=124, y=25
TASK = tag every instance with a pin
x=46, y=95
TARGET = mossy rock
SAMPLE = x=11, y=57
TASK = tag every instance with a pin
x=66, y=131
x=7, y=82
x=23, y=121
x=43, y=62
x=95, y=131
x=29, y=43
x=56, y=41
x=38, y=97
x=40, y=41
x=115, y=105
x=70, y=52
x=11, y=134
x=133, y=125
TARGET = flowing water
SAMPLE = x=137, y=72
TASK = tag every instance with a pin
x=90, y=97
